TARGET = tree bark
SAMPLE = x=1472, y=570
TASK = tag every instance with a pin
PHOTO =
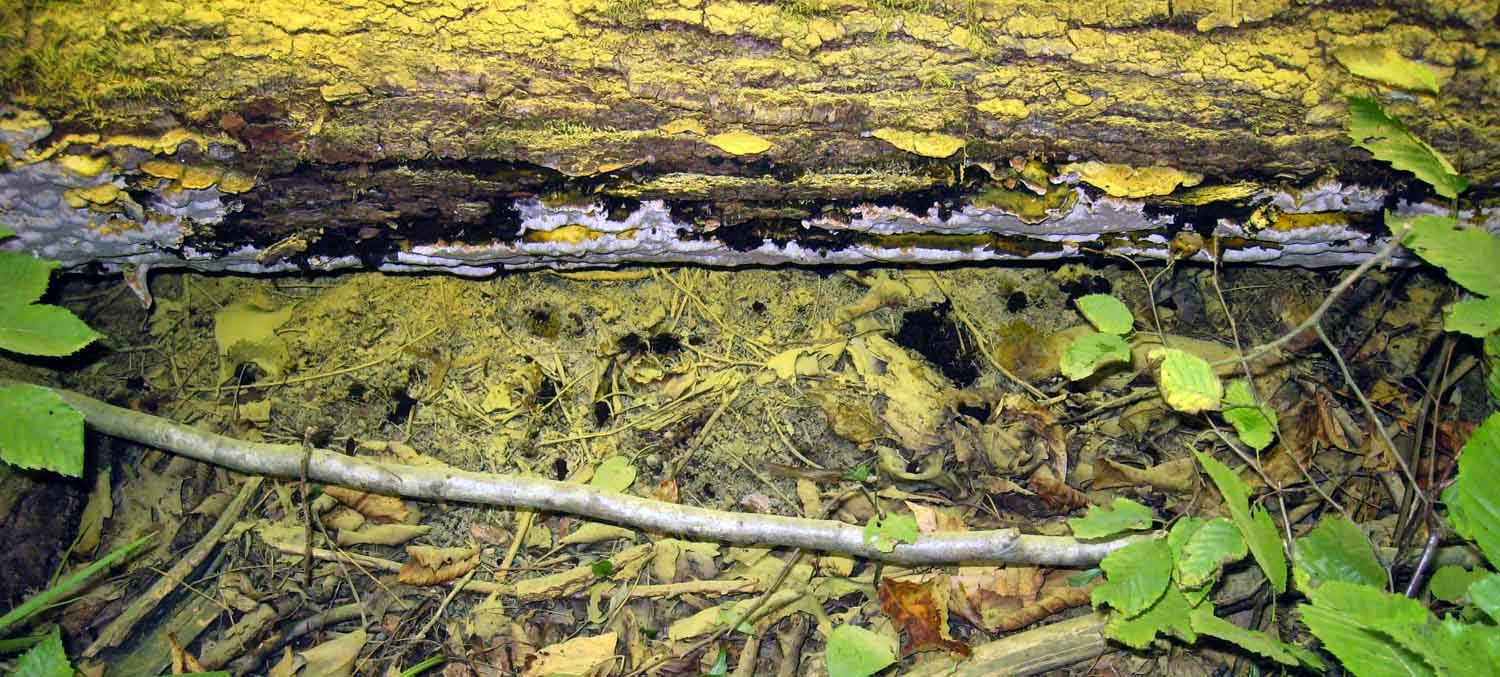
x=352, y=132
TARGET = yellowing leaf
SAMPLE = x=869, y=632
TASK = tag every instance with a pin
x=739, y=143
x=1386, y=65
x=927, y=144
x=1187, y=382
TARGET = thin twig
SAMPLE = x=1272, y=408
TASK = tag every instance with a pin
x=1318, y=313
x=1385, y=436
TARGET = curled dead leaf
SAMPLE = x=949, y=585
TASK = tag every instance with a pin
x=429, y=565
x=921, y=610
x=374, y=506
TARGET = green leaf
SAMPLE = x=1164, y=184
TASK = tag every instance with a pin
x=44, y=330
x=1388, y=140
x=884, y=534
x=1216, y=543
x=602, y=568
x=1091, y=351
x=1125, y=515
x=1450, y=583
x=1168, y=614
x=1187, y=382
x=1474, y=317
x=23, y=278
x=1336, y=550
x=720, y=667
x=1466, y=648
x=614, y=474
x=856, y=652
x=1485, y=593
x=1106, y=313
x=47, y=659
x=1353, y=620
x=1204, y=621
x=1253, y=422
x=6, y=232
x=1387, y=66
x=1257, y=528
x=1135, y=577
x=1492, y=356
x=1466, y=254
x=1473, y=503
x=52, y=437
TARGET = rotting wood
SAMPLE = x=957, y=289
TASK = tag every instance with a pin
x=468, y=136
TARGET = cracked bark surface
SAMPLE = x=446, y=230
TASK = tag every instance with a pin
x=375, y=127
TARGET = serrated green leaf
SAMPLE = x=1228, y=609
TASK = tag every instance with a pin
x=1254, y=423
x=1336, y=550
x=1450, y=583
x=1388, y=140
x=52, y=437
x=1473, y=317
x=1135, y=577
x=856, y=652
x=45, y=330
x=884, y=533
x=1124, y=515
x=1473, y=504
x=1339, y=609
x=1466, y=648
x=1492, y=355
x=1089, y=352
x=1205, y=622
x=1466, y=254
x=615, y=474
x=23, y=278
x=1169, y=614
x=1485, y=593
x=47, y=659
x=1187, y=382
x=1257, y=528
x=1216, y=543
x=1362, y=651
x=1106, y=313
x=1265, y=544
x=1387, y=66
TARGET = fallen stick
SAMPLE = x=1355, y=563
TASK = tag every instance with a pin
x=1049, y=647
x=699, y=524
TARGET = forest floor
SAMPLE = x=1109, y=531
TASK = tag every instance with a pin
x=764, y=391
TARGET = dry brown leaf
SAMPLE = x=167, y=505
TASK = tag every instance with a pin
x=335, y=657
x=921, y=610
x=373, y=506
x=931, y=520
x=808, y=496
x=489, y=534
x=595, y=532
x=577, y=656
x=430, y=566
x=567, y=583
x=343, y=518
x=381, y=534
x=1176, y=476
x=1055, y=493
x=667, y=491
x=182, y=661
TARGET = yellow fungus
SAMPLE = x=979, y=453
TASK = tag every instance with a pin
x=1014, y=109
x=236, y=182
x=164, y=169
x=101, y=194
x=928, y=144
x=684, y=126
x=84, y=165
x=1128, y=181
x=1077, y=98
x=570, y=234
x=196, y=177
x=739, y=143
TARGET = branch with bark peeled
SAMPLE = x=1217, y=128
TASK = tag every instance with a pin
x=451, y=484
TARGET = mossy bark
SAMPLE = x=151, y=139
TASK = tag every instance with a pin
x=794, y=95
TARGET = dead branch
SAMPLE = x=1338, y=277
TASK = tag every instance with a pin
x=702, y=524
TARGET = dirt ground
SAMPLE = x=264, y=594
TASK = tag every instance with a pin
x=750, y=390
